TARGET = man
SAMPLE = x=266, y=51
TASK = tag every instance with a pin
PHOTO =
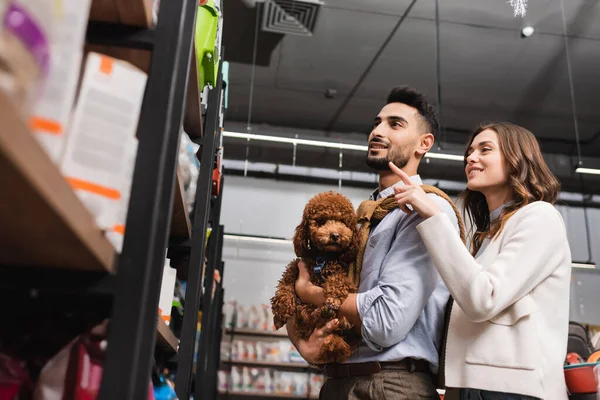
x=399, y=308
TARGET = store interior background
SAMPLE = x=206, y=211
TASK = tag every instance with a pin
x=329, y=86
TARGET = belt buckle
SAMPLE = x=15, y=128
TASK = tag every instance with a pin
x=345, y=371
x=378, y=367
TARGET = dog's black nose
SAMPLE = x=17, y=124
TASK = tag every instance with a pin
x=335, y=236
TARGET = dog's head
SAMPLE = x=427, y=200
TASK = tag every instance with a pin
x=329, y=226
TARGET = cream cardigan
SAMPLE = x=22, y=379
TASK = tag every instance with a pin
x=509, y=323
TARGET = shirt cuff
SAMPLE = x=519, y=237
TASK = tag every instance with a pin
x=364, y=302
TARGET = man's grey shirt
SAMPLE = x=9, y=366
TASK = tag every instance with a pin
x=401, y=298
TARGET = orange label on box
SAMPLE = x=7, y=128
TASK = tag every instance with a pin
x=106, y=65
x=94, y=188
x=45, y=125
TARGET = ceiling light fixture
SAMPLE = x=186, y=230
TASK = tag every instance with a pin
x=593, y=171
x=581, y=265
x=527, y=31
x=257, y=239
x=319, y=143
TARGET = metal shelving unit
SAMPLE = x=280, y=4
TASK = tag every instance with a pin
x=54, y=257
x=171, y=99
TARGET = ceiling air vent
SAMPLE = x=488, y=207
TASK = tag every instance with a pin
x=294, y=17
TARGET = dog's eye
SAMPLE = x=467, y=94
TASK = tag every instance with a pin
x=320, y=222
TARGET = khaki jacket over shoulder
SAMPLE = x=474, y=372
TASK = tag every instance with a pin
x=509, y=323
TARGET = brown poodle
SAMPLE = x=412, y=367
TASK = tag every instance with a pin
x=327, y=240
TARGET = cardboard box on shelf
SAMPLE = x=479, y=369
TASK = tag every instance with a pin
x=51, y=114
x=116, y=233
x=105, y=117
x=167, y=289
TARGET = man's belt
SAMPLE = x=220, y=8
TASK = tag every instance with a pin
x=333, y=371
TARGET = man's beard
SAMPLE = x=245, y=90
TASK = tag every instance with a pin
x=399, y=156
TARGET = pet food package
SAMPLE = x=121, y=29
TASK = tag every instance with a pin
x=105, y=117
x=49, y=120
x=15, y=382
x=116, y=233
x=25, y=49
x=76, y=371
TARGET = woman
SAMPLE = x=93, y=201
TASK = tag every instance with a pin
x=507, y=336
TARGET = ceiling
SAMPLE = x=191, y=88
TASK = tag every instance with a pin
x=487, y=72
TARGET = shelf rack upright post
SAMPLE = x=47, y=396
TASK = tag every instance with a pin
x=132, y=331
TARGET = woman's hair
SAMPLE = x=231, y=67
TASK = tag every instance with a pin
x=529, y=178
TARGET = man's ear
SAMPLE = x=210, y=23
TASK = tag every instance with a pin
x=426, y=142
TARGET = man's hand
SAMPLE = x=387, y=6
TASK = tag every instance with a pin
x=306, y=291
x=310, y=349
x=315, y=295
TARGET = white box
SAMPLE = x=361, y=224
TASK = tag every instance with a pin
x=117, y=233
x=167, y=289
x=104, y=121
x=49, y=120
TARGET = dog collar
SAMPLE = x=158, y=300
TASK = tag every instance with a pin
x=320, y=267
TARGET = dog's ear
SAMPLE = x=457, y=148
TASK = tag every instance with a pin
x=301, y=238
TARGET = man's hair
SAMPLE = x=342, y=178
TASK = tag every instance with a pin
x=414, y=98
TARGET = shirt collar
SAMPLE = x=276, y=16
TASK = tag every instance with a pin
x=496, y=213
x=376, y=195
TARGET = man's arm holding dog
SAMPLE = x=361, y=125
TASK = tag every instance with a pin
x=310, y=349
x=315, y=295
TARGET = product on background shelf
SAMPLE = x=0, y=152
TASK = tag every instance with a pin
x=25, y=38
x=207, y=19
x=225, y=350
x=15, y=382
x=52, y=111
x=291, y=383
x=236, y=379
x=254, y=317
x=316, y=383
x=76, y=371
x=268, y=315
x=242, y=317
x=105, y=117
x=270, y=350
x=167, y=289
x=229, y=314
x=222, y=379
x=189, y=167
x=164, y=390
x=116, y=233
x=269, y=381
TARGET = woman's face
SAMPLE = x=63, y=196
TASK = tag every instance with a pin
x=486, y=170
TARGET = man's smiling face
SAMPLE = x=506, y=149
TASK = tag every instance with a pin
x=395, y=135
